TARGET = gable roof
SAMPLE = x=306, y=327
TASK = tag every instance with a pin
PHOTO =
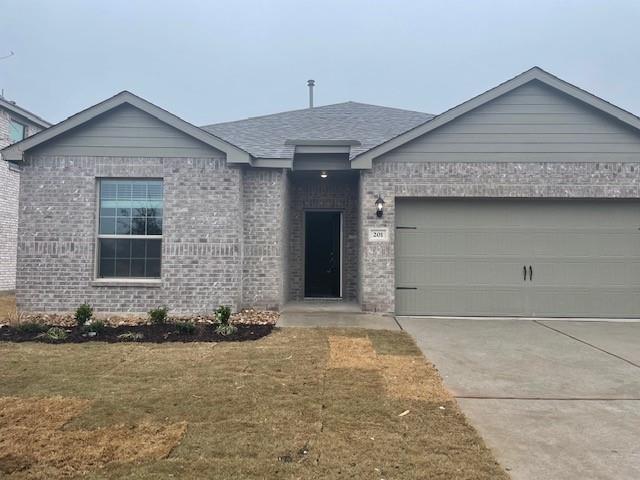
x=364, y=159
x=360, y=125
x=234, y=154
x=32, y=117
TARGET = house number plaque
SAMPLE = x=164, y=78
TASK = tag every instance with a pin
x=379, y=234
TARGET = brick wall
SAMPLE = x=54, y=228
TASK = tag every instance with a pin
x=9, y=188
x=335, y=193
x=392, y=178
x=202, y=238
x=264, y=203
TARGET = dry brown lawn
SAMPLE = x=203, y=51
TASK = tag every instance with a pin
x=7, y=306
x=299, y=404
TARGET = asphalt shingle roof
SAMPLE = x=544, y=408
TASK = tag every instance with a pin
x=371, y=125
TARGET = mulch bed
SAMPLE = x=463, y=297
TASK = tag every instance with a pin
x=150, y=334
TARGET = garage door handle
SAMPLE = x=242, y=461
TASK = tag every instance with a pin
x=406, y=288
x=524, y=270
x=530, y=273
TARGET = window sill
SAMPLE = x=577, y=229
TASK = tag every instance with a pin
x=125, y=282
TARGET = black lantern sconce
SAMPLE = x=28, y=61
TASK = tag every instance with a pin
x=379, y=206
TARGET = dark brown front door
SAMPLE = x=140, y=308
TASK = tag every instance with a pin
x=322, y=254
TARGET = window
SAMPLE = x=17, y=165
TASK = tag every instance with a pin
x=17, y=131
x=130, y=228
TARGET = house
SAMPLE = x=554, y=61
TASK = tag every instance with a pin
x=16, y=123
x=521, y=201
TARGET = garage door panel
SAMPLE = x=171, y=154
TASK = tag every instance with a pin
x=465, y=257
x=452, y=301
x=559, y=272
x=584, y=302
x=453, y=271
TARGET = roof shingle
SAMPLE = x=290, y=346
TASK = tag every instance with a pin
x=371, y=125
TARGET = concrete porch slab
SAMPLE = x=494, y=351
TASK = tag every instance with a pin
x=337, y=319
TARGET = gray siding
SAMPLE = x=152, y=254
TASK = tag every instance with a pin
x=533, y=123
x=126, y=132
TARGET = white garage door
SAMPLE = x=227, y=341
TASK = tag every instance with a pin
x=565, y=258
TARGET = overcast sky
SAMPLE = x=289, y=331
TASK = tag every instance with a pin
x=213, y=61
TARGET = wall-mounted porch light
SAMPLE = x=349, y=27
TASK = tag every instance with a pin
x=323, y=174
x=379, y=206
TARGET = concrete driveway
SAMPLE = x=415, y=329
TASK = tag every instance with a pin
x=553, y=399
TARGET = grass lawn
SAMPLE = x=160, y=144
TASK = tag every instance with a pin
x=298, y=404
x=7, y=306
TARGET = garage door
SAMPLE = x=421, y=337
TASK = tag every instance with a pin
x=565, y=258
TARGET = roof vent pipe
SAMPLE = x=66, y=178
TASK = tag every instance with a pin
x=311, y=84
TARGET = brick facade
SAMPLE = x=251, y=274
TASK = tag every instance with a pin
x=392, y=179
x=202, y=238
x=9, y=188
x=338, y=192
x=265, y=242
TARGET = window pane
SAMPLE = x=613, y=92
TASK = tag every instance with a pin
x=138, y=249
x=124, y=190
x=137, y=267
x=123, y=248
x=122, y=268
x=107, y=267
x=107, y=225
x=153, y=267
x=123, y=226
x=16, y=131
x=154, y=212
x=107, y=212
x=139, y=212
x=154, y=226
x=107, y=248
x=154, y=248
x=138, y=226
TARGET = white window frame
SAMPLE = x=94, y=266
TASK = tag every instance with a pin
x=96, y=270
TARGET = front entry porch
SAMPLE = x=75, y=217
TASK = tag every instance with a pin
x=323, y=238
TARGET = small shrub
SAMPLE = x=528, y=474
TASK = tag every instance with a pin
x=97, y=326
x=158, y=316
x=31, y=327
x=54, y=334
x=226, y=329
x=186, y=327
x=223, y=314
x=131, y=336
x=83, y=314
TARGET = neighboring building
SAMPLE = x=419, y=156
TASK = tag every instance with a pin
x=521, y=201
x=16, y=124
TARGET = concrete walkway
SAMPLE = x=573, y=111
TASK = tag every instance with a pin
x=333, y=314
x=553, y=399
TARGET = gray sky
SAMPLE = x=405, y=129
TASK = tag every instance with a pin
x=212, y=61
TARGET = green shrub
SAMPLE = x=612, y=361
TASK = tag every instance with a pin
x=131, y=336
x=226, y=329
x=186, y=327
x=31, y=327
x=54, y=334
x=97, y=326
x=83, y=314
x=222, y=315
x=158, y=316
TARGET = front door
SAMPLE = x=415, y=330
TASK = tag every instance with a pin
x=322, y=254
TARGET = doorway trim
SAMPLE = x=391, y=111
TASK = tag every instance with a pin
x=304, y=251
